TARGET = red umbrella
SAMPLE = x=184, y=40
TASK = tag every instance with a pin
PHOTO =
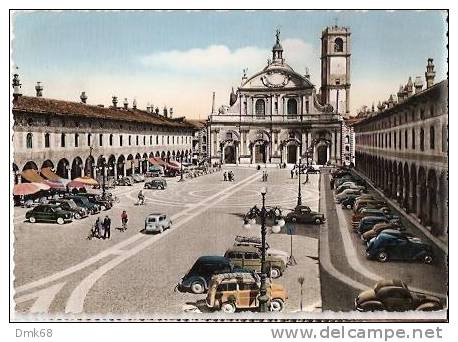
x=25, y=189
x=55, y=185
x=76, y=184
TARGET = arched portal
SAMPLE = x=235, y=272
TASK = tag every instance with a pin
x=322, y=154
x=413, y=186
x=77, y=166
x=291, y=157
x=259, y=150
x=89, y=166
x=111, y=166
x=129, y=165
x=229, y=154
x=47, y=164
x=63, y=168
x=137, y=163
x=120, y=165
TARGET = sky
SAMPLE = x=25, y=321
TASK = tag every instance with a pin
x=179, y=58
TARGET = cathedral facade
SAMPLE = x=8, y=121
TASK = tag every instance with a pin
x=277, y=116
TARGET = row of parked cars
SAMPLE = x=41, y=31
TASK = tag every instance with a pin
x=232, y=281
x=67, y=207
x=379, y=227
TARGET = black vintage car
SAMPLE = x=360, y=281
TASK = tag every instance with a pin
x=70, y=205
x=171, y=172
x=48, y=213
x=303, y=214
x=160, y=184
x=390, y=247
x=125, y=181
x=84, y=203
x=104, y=204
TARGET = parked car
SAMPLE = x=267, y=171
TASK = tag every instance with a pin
x=347, y=192
x=349, y=201
x=138, y=178
x=104, y=204
x=249, y=257
x=70, y=205
x=171, y=172
x=84, y=203
x=348, y=185
x=197, y=279
x=126, y=181
x=160, y=184
x=368, y=222
x=303, y=214
x=229, y=292
x=155, y=171
x=388, y=247
x=364, y=212
x=380, y=227
x=369, y=203
x=312, y=169
x=256, y=242
x=394, y=295
x=157, y=223
x=393, y=232
x=48, y=213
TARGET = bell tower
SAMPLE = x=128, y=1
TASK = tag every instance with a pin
x=335, y=68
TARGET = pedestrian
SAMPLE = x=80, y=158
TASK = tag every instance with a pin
x=225, y=176
x=331, y=183
x=231, y=176
x=106, y=227
x=124, y=220
x=266, y=176
x=98, y=227
x=296, y=173
x=101, y=228
x=292, y=173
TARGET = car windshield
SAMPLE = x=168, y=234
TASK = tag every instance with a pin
x=71, y=204
x=151, y=219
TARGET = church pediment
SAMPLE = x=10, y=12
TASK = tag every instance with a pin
x=277, y=78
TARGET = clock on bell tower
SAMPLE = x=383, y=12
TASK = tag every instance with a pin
x=335, y=68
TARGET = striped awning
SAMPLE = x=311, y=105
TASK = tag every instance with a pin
x=157, y=161
x=32, y=175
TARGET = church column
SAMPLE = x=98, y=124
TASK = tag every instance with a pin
x=303, y=104
x=253, y=111
x=332, y=147
x=339, y=144
x=284, y=105
x=271, y=105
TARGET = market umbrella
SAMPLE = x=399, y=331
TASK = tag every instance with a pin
x=76, y=184
x=55, y=185
x=25, y=189
x=42, y=186
x=86, y=180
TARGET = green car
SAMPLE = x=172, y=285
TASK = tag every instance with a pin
x=48, y=213
x=249, y=258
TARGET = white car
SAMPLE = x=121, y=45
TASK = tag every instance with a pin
x=256, y=242
x=157, y=223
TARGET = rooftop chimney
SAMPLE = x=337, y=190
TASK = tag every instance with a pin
x=16, y=86
x=157, y=110
x=418, y=84
x=165, y=111
x=430, y=73
x=83, y=97
x=115, y=101
x=307, y=74
x=213, y=103
x=126, y=104
x=134, y=104
x=39, y=89
x=171, y=112
x=409, y=87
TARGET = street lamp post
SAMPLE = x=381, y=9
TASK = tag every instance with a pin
x=181, y=170
x=250, y=217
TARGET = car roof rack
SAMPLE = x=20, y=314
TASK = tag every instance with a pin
x=254, y=239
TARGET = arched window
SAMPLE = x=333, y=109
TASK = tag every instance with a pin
x=110, y=140
x=136, y=140
x=413, y=138
x=173, y=140
x=260, y=107
x=100, y=139
x=431, y=138
x=338, y=45
x=62, y=140
x=150, y=139
x=422, y=140
x=77, y=139
x=130, y=140
x=89, y=136
x=444, y=138
x=47, y=140
x=405, y=139
x=400, y=140
x=120, y=140
x=29, y=140
x=292, y=107
x=157, y=139
x=168, y=140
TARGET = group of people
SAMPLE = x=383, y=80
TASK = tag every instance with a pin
x=282, y=166
x=102, y=229
x=141, y=198
x=264, y=176
x=228, y=176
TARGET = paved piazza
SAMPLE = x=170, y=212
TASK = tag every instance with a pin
x=57, y=270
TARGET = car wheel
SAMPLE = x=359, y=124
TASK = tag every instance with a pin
x=60, y=220
x=317, y=220
x=32, y=219
x=161, y=230
x=348, y=206
x=382, y=256
x=275, y=272
x=372, y=306
x=429, y=306
x=77, y=216
x=276, y=305
x=103, y=207
x=428, y=259
x=197, y=287
x=228, y=307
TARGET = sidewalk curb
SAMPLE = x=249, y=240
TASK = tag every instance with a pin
x=440, y=244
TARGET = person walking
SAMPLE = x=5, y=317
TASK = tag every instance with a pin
x=292, y=173
x=106, y=227
x=99, y=227
x=124, y=220
x=225, y=176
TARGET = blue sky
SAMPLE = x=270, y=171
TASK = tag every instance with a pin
x=179, y=58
